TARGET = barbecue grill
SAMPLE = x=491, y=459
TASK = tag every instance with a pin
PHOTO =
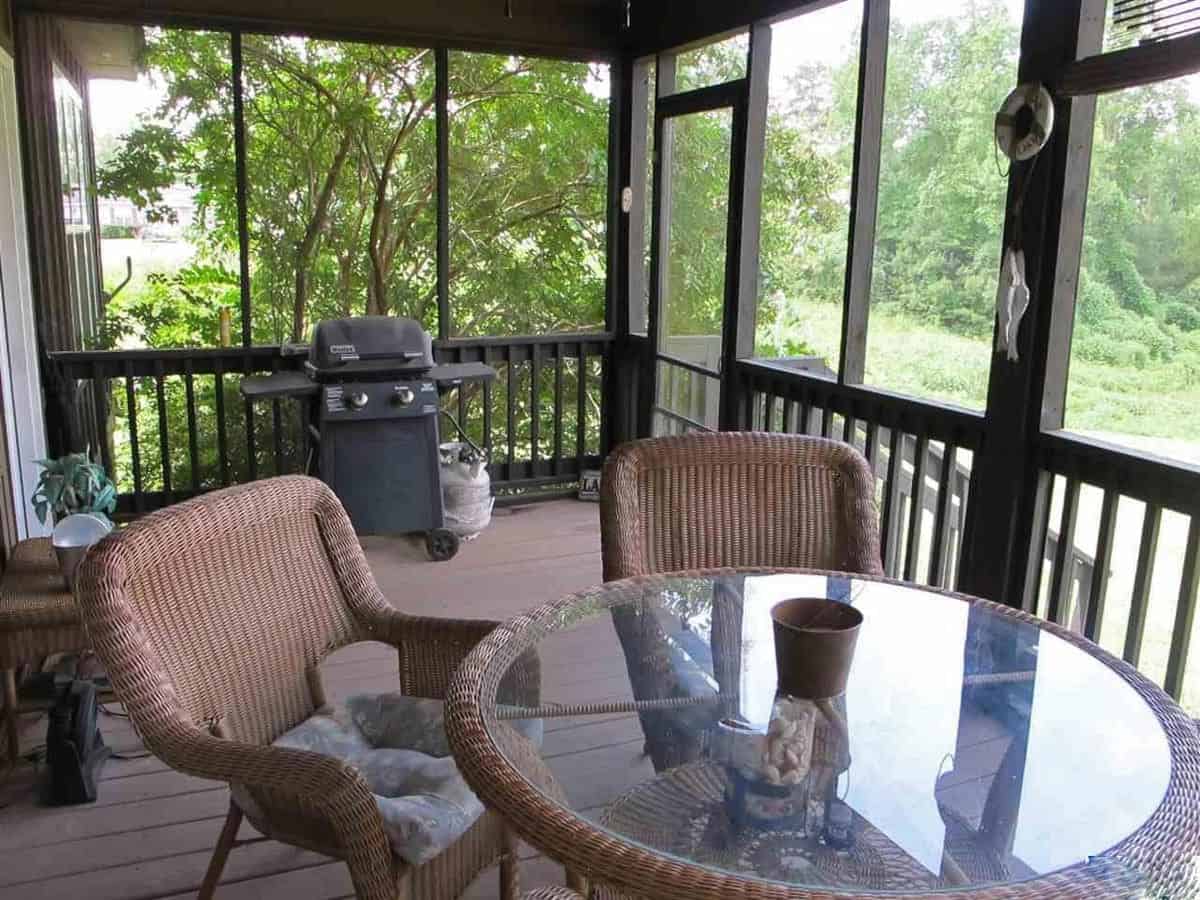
x=371, y=391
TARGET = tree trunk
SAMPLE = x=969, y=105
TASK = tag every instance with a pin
x=304, y=250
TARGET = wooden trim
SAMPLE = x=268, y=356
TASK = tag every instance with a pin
x=939, y=421
x=729, y=415
x=1132, y=67
x=1132, y=473
x=1185, y=612
x=664, y=26
x=1064, y=555
x=639, y=184
x=547, y=28
x=997, y=560
x=715, y=96
x=660, y=217
x=240, y=185
x=1077, y=178
x=1143, y=578
x=745, y=307
x=441, y=60
x=864, y=190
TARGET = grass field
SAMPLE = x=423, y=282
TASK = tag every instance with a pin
x=1161, y=400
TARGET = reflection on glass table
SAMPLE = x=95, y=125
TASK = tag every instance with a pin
x=977, y=748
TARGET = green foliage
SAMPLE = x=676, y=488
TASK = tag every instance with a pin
x=341, y=164
x=145, y=164
x=108, y=232
x=175, y=309
x=73, y=484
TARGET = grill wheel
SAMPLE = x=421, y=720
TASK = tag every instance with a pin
x=441, y=544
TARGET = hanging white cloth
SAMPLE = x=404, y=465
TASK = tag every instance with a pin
x=1012, y=300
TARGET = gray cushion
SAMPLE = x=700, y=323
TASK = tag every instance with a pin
x=398, y=744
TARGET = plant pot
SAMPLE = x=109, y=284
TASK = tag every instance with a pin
x=814, y=646
x=72, y=539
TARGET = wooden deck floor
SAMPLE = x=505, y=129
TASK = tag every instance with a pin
x=150, y=833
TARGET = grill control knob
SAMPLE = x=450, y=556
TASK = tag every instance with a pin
x=404, y=396
x=357, y=400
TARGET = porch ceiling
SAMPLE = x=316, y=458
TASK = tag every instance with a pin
x=105, y=50
x=569, y=28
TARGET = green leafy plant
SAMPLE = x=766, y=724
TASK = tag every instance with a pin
x=73, y=484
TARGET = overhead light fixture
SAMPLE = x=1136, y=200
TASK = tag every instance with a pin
x=508, y=9
x=628, y=13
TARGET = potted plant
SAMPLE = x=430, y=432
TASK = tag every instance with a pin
x=73, y=484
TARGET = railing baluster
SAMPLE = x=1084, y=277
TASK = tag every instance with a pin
x=487, y=416
x=189, y=385
x=277, y=426
x=826, y=419
x=581, y=413
x=251, y=443
x=164, y=448
x=222, y=435
x=1143, y=576
x=135, y=457
x=848, y=426
x=605, y=384
x=510, y=396
x=887, y=536
x=1064, y=556
x=769, y=411
x=1094, y=618
x=916, y=510
x=558, y=408
x=461, y=398
x=871, y=448
x=787, y=415
x=939, y=550
x=101, y=388
x=535, y=409
x=1185, y=611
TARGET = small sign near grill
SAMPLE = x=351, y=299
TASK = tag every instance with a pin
x=374, y=427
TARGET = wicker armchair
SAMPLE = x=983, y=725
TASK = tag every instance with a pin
x=737, y=499
x=713, y=500
x=212, y=617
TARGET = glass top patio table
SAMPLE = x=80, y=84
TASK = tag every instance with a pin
x=984, y=751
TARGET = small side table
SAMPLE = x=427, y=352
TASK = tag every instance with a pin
x=38, y=617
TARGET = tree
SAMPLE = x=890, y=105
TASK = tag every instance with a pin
x=341, y=166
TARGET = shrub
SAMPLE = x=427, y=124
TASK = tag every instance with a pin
x=117, y=231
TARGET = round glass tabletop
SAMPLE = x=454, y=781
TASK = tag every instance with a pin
x=972, y=747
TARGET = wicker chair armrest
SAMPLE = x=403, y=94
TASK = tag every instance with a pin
x=315, y=776
x=313, y=782
x=553, y=893
x=431, y=650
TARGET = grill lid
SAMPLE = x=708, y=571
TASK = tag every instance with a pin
x=367, y=344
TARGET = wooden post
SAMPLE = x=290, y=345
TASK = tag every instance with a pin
x=1007, y=489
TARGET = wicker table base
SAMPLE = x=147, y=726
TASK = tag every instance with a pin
x=682, y=812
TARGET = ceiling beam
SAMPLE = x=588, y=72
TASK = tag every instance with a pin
x=664, y=26
x=577, y=29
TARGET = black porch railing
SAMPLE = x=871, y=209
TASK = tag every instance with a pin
x=921, y=454
x=170, y=424
x=1142, y=515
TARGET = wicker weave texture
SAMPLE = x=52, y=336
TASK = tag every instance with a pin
x=737, y=499
x=38, y=616
x=1156, y=861
x=212, y=616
